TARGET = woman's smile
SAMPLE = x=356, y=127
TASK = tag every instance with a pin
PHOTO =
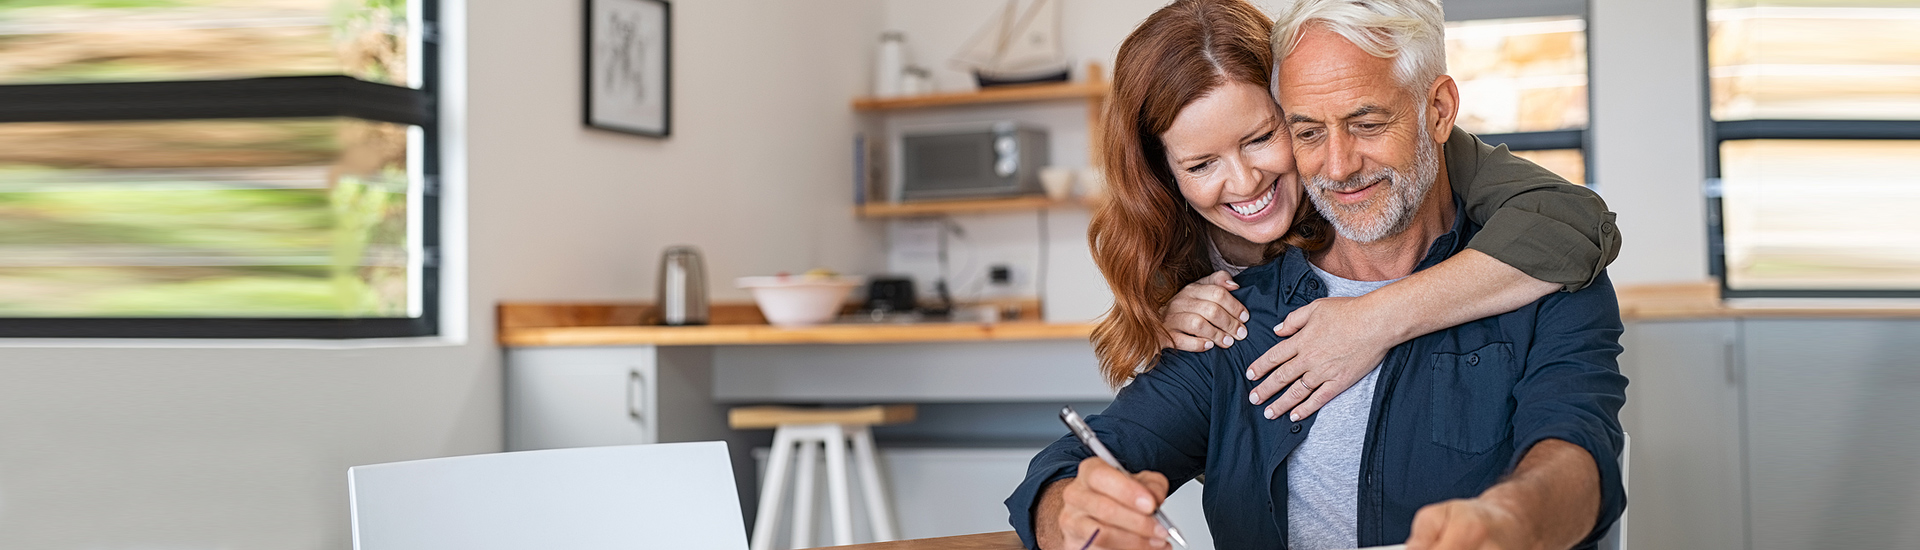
x=1252, y=210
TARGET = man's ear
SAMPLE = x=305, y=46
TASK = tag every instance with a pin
x=1443, y=106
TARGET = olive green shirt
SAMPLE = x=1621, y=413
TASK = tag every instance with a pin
x=1530, y=218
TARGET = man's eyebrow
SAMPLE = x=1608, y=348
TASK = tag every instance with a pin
x=1367, y=110
x=1364, y=110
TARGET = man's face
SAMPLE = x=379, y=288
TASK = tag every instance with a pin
x=1360, y=139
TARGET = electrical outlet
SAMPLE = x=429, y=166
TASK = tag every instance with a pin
x=1000, y=274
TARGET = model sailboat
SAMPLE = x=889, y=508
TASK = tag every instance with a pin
x=1017, y=50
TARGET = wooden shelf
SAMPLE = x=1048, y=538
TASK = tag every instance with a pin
x=1096, y=89
x=927, y=208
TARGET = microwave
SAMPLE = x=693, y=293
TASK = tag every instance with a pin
x=1000, y=159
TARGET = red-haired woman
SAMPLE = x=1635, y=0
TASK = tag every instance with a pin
x=1202, y=183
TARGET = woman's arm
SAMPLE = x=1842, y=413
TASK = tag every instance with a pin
x=1334, y=342
x=1539, y=234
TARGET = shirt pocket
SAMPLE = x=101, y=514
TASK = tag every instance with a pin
x=1471, y=402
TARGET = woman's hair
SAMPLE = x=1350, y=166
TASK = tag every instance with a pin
x=1410, y=32
x=1146, y=239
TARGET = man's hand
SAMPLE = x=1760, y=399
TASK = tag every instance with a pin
x=1548, y=503
x=1104, y=499
x=1467, y=524
x=1333, y=344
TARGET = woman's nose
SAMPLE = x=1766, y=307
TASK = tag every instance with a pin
x=1244, y=180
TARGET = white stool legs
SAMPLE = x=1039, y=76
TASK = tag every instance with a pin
x=807, y=439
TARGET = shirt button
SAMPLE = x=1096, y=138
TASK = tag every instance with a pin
x=1473, y=359
x=1313, y=284
x=1294, y=429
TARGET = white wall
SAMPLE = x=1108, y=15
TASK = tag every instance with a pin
x=1648, y=135
x=158, y=445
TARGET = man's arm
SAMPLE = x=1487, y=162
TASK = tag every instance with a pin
x=1565, y=487
x=1549, y=502
x=1158, y=423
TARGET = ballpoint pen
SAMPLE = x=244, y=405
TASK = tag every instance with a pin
x=1080, y=430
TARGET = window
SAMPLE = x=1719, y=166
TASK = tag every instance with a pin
x=1523, y=82
x=1815, y=126
x=217, y=168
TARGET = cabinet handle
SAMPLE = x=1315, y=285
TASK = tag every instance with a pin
x=1731, y=359
x=636, y=392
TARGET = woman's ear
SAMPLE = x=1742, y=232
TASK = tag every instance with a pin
x=1443, y=106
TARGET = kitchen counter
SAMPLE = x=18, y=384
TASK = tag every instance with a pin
x=616, y=324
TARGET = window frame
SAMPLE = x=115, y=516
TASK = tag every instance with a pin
x=267, y=97
x=1579, y=139
x=1718, y=132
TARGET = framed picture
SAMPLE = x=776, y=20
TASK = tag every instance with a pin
x=629, y=70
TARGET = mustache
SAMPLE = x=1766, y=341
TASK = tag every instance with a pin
x=1353, y=182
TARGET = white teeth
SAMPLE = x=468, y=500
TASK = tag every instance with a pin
x=1255, y=206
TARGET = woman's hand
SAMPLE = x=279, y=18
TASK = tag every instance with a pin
x=1102, y=508
x=1204, y=315
x=1334, y=342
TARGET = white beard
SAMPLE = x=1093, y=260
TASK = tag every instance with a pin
x=1386, y=213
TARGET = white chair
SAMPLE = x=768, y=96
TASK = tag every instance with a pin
x=675, y=495
x=806, y=432
x=1616, y=538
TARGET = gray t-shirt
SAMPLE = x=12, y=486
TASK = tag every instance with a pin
x=1323, y=473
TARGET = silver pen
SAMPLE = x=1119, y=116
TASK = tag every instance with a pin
x=1080, y=430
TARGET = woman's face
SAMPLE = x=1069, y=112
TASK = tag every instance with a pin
x=1231, y=157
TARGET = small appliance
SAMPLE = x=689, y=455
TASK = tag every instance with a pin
x=999, y=159
x=682, y=295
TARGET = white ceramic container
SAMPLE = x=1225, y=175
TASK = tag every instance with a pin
x=798, y=300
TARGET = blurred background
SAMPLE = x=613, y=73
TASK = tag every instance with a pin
x=246, y=244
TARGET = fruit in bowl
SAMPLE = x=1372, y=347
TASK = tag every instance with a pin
x=797, y=301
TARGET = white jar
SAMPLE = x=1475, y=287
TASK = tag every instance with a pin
x=889, y=64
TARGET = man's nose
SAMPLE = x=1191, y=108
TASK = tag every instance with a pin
x=1343, y=159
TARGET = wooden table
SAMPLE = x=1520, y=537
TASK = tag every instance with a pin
x=1004, y=540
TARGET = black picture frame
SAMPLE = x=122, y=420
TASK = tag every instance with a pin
x=627, y=69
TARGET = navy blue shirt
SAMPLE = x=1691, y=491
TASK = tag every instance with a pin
x=1453, y=412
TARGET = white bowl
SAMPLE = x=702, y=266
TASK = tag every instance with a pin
x=799, y=300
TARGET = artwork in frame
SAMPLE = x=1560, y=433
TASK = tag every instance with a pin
x=629, y=68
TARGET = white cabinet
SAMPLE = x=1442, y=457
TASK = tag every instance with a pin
x=581, y=397
x=1683, y=411
x=1832, y=445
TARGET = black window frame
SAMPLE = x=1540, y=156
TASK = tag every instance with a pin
x=1579, y=139
x=269, y=97
x=1718, y=132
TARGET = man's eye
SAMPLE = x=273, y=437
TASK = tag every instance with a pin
x=1306, y=135
x=1369, y=127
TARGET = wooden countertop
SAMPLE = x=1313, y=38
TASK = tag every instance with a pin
x=767, y=334
x=617, y=324
x=1701, y=300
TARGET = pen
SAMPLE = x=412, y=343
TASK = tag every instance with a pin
x=1080, y=430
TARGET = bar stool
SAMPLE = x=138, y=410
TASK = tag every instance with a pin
x=807, y=431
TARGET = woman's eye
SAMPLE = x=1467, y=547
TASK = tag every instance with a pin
x=1198, y=168
x=1262, y=139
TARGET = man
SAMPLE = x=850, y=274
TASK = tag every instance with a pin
x=1501, y=433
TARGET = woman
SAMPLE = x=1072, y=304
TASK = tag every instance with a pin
x=1202, y=184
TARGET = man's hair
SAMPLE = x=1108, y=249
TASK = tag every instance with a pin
x=1410, y=32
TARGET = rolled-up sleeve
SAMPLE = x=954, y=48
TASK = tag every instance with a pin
x=1535, y=221
x=1572, y=389
x=1158, y=423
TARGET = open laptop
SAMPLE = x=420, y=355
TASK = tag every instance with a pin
x=670, y=495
